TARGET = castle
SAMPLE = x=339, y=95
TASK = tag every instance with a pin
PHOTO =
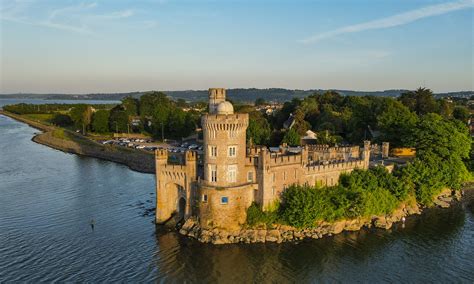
x=231, y=176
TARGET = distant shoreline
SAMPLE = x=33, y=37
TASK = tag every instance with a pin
x=74, y=143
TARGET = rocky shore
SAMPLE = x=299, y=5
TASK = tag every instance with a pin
x=75, y=143
x=283, y=233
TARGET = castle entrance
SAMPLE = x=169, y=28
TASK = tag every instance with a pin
x=181, y=208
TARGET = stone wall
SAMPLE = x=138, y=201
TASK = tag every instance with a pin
x=214, y=213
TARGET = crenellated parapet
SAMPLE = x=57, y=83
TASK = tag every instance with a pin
x=338, y=166
x=225, y=122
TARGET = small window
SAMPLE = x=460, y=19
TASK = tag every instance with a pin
x=284, y=175
x=224, y=200
x=273, y=190
x=232, y=151
x=204, y=198
x=213, y=151
x=250, y=176
x=213, y=173
x=274, y=177
x=232, y=173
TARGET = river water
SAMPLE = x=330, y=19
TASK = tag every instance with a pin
x=48, y=199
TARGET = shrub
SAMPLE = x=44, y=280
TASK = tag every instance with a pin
x=256, y=216
x=62, y=120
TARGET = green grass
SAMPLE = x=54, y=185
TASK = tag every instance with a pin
x=59, y=133
x=43, y=118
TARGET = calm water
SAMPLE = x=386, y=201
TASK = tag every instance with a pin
x=47, y=199
x=40, y=101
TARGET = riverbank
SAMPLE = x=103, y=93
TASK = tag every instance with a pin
x=282, y=233
x=75, y=143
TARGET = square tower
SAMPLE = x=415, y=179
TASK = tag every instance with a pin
x=216, y=96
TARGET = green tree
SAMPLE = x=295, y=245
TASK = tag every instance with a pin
x=81, y=114
x=396, y=124
x=62, y=120
x=420, y=101
x=100, y=121
x=461, y=113
x=258, y=131
x=292, y=138
x=130, y=105
x=118, y=119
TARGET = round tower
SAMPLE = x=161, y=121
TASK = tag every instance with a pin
x=224, y=136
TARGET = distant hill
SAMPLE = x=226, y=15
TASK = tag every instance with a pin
x=237, y=95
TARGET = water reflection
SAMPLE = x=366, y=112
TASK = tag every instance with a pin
x=367, y=255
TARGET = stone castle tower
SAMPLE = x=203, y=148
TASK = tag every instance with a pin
x=224, y=141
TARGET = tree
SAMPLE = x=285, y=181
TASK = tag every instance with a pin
x=461, y=113
x=81, y=115
x=118, y=119
x=100, y=121
x=420, y=101
x=396, y=124
x=443, y=138
x=130, y=105
x=259, y=130
x=259, y=102
x=150, y=100
x=62, y=120
x=292, y=138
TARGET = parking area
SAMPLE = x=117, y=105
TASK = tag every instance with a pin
x=150, y=145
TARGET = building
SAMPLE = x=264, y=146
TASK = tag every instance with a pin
x=219, y=190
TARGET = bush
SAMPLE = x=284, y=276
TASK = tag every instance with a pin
x=62, y=120
x=256, y=216
x=362, y=193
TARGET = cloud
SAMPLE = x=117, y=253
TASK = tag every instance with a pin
x=75, y=18
x=395, y=20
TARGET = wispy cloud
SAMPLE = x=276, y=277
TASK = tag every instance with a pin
x=395, y=20
x=79, y=18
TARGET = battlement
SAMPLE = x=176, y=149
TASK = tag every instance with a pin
x=190, y=156
x=215, y=93
x=227, y=118
x=338, y=166
x=161, y=154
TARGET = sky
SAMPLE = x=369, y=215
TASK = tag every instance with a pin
x=101, y=46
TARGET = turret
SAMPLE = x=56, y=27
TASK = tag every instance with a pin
x=224, y=135
x=216, y=96
x=366, y=154
x=385, y=149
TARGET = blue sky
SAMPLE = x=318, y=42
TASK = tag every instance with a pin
x=119, y=46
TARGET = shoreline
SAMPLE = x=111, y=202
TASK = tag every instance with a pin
x=278, y=233
x=77, y=144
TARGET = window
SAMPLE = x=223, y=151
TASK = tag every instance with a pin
x=212, y=151
x=213, y=173
x=274, y=177
x=232, y=151
x=284, y=175
x=204, y=198
x=250, y=176
x=232, y=173
x=273, y=190
x=224, y=200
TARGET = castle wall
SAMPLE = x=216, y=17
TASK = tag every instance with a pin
x=173, y=183
x=213, y=212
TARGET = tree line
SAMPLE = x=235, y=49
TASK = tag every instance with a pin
x=351, y=119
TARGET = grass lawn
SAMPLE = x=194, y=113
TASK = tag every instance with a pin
x=43, y=118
